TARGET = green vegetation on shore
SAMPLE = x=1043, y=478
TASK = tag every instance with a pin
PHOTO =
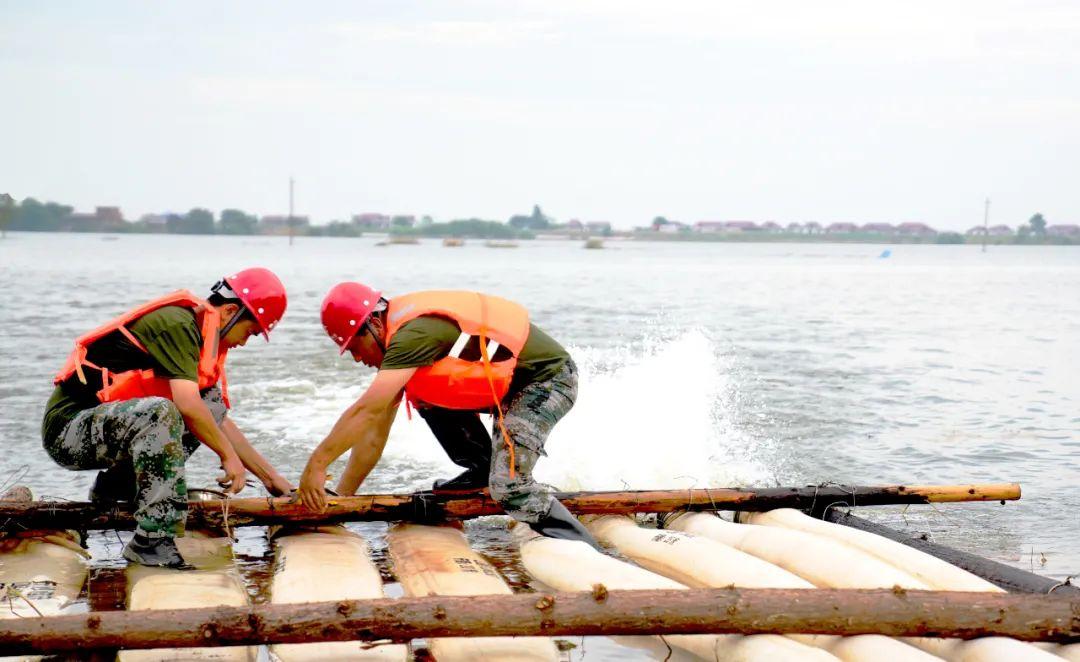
x=34, y=216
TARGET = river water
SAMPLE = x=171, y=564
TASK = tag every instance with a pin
x=702, y=365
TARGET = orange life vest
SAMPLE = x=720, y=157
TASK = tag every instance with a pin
x=452, y=382
x=144, y=383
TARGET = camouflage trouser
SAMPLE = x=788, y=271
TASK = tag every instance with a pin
x=529, y=417
x=148, y=434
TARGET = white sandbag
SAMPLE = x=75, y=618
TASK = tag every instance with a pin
x=567, y=565
x=700, y=562
x=437, y=560
x=322, y=564
x=931, y=570
x=822, y=562
x=214, y=582
x=41, y=572
x=828, y=563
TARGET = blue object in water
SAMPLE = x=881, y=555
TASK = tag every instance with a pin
x=885, y=253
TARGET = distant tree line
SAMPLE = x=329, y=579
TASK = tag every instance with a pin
x=32, y=215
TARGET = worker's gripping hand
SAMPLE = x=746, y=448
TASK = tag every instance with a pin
x=312, y=492
x=233, y=479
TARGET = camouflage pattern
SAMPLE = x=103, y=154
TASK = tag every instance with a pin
x=150, y=434
x=529, y=416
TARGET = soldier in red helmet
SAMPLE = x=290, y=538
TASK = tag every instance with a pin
x=138, y=395
x=452, y=355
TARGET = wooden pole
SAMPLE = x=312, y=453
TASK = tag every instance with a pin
x=1004, y=576
x=426, y=506
x=695, y=611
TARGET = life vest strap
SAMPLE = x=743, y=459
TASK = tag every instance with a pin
x=459, y=345
x=131, y=336
x=485, y=360
x=463, y=340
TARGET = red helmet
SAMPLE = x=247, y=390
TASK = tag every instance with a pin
x=262, y=294
x=345, y=309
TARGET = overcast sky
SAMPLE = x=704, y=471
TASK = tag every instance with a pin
x=612, y=110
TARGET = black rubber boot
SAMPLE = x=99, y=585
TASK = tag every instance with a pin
x=113, y=485
x=157, y=552
x=470, y=480
x=560, y=523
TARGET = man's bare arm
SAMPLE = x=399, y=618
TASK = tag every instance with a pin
x=367, y=415
x=255, y=462
x=199, y=420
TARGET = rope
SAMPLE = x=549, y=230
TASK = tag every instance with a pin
x=1067, y=582
x=13, y=592
x=14, y=477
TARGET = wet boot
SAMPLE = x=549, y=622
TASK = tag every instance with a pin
x=114, y=485
x=560, y=523
x=470, y=480
x=157, y=552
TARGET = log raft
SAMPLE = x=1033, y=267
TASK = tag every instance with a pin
x=725, y=610
x=430, y=507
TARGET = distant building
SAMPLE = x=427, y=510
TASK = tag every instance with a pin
x=104, y=219
x=726, y=226
x=993, y=231
x=709, y=226
x=841, y=228
x=280, y=224
x=154, y=222
x=879, y=228
x=673, y=227
x=598, y=227
x=1069, y=230
x=915, y=230
x=740, y=226
x=371, y=221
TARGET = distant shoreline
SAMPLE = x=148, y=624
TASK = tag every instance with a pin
x=643, y=237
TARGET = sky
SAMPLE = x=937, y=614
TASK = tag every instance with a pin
x=600, y=110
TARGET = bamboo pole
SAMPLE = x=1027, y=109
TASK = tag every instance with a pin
x=427, y=506
x=726, y=610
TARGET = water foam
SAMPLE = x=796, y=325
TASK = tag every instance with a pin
x=653, y=414
x=650, y=417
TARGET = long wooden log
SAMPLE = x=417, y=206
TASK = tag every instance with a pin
x=427, y=506
x=726, y=610
x=1007, y=577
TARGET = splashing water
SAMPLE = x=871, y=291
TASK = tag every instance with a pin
x=654, y=414
x=649, y=418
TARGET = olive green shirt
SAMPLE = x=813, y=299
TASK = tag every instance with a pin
x=173, y=343
x=424, y=340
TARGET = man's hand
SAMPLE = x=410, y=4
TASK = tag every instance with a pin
x=235, y=474
x=278, y=486
x=312, y=490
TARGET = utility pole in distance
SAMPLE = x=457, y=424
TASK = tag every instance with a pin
x=292, y=221
x=986, y=224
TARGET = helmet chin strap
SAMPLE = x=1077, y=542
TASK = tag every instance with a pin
x=222, y=288
x=232, y=322
x=375, y=336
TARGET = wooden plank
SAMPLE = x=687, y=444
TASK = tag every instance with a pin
x=429, y=507
x=694, y=611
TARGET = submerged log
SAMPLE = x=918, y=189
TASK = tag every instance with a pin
x=1004, y=576
x=727, y=610
x=428, y=507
